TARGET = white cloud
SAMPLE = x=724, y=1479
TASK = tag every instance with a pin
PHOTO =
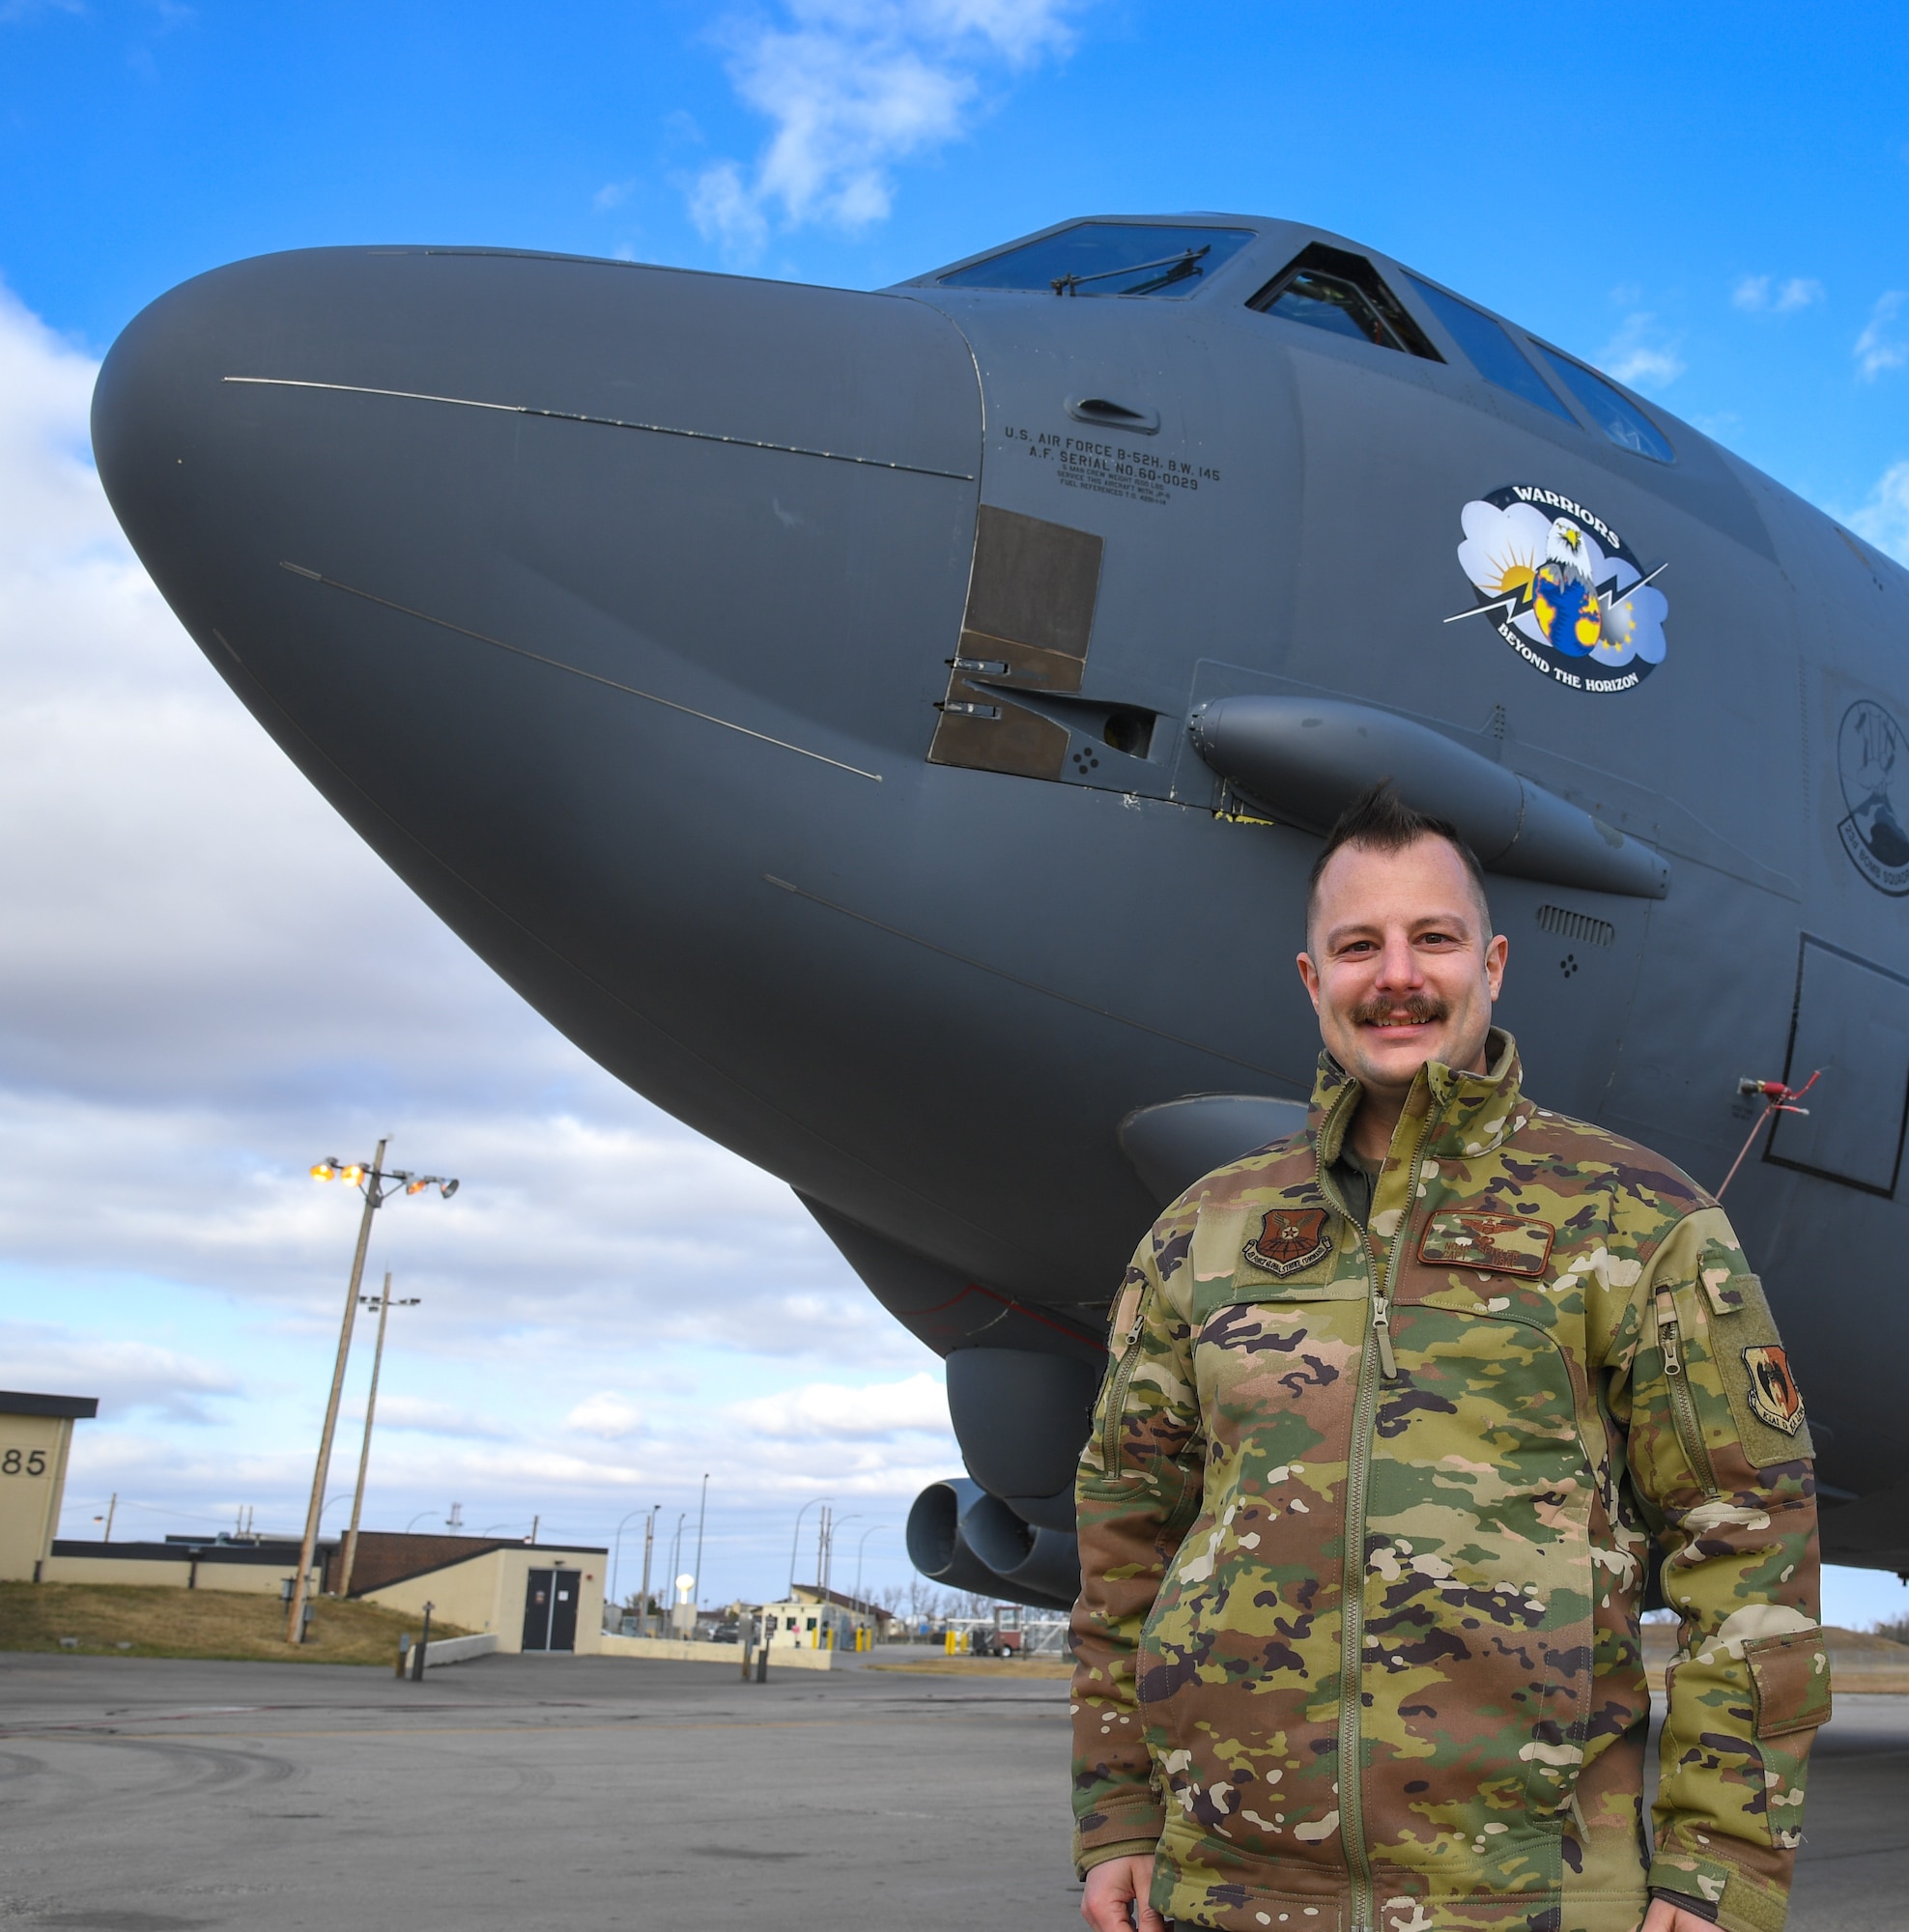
x=606, y=1414
x=851, y=88
x=1764, y=295
x=835, y=1412
x=1882, y=345
x=1640, y=356
x=433, y=1418
x=130, y=1377
x=1884, y=519
x=209, y=983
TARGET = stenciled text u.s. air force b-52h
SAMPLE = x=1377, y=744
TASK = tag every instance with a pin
x=1365, y=1522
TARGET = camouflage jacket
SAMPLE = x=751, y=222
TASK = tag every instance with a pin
x=1364, y=1525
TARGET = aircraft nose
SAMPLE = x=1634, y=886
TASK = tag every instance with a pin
x=454, y=522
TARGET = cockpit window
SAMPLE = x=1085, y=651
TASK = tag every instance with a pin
x=1620, y=418
x=1492, y=353
x=1345, y=294
x=1108, y=258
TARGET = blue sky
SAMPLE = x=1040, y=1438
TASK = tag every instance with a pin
x=1712, y=202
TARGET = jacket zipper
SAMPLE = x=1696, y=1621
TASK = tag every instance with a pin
x=1352, y=1620
x=1683, y=1405
x=1110, y=1434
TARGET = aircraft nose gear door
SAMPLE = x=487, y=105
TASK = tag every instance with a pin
x=1852, y=1021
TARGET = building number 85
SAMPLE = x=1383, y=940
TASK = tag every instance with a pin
x=23, y=1463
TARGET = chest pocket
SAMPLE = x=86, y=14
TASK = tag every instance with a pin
x=1493, y=1243
x=1283, y=1253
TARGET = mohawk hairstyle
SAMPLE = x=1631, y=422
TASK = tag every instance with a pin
x=1379, y=820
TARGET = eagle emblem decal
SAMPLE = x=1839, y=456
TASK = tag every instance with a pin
x=1563, y=588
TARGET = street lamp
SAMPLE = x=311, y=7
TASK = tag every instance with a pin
x=796, y=1538
x=649, y=1550
x=616, y=1553
x=384, y=1305
x=376, y=1184
x=825, y=1558
x=860, y=1542
x=701, y=1516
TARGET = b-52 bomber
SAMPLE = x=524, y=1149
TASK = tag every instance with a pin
x=891, y=732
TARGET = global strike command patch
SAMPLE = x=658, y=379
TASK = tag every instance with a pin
x=1772, y=1392
x=1495, y=1243
x=1290, y=1238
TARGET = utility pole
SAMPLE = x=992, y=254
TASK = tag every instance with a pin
x=649, y=1550
x=110, y=1508
x=371, y=1181
x=676, y=1560
x=702, y=1515
x=383, y=1303
x=294, y=1621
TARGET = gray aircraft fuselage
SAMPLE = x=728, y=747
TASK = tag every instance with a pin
x=873, y=727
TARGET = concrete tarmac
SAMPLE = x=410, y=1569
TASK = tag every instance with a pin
x=139, y=1795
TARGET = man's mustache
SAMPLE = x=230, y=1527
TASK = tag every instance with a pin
x=1415, y=1009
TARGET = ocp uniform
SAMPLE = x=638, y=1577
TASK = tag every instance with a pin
x=1426, y=1456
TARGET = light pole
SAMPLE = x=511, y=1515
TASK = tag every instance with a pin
x=649, y=1549
x=796, y=1537
x=370, y=1181
x=676, y=1555
x=419, y=1518
x=827, y=1547
x=384, y=1305
x=860, y=1542
x=616, y=1553
x=701, y=1515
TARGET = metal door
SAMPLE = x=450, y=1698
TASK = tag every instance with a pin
x=538, y=1602
x=565, y=1589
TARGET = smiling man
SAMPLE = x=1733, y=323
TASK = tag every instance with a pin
x=1403, y=1414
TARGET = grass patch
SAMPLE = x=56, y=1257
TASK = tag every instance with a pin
x=125, y=1620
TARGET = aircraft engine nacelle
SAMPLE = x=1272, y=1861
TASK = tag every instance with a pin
x=953, y=1520
x=1021, y=1416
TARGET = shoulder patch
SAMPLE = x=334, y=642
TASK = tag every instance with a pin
x=1290, y=1238
x=1773, y=1391
x=1493, y=1243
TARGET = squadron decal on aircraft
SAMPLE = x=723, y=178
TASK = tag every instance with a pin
x=1565, y=590
x=1868, y=747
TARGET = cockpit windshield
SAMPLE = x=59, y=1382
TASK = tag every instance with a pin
x=1108, y=258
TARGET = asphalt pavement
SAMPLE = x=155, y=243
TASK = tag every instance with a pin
x=140, y=1795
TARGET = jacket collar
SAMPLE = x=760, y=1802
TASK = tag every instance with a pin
x=1463, y=1114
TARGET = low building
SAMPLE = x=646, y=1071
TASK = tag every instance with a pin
x=35, y=1432
x=534, y=1597
x=260, y=1564
x=811, y=1618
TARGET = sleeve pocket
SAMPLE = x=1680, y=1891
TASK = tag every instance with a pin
x=1792, y=1679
